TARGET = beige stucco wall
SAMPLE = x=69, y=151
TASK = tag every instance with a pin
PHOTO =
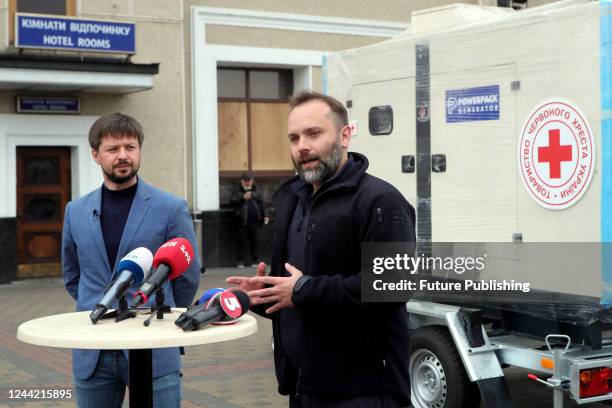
x=7, y=102
x=317, y=79
x=269, y=38
x=3, y=22
x=389, y=10
x=161, y=110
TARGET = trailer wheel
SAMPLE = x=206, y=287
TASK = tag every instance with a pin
x=437, y=376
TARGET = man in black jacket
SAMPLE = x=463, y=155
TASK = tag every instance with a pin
x=249, y=216
x=332, y=349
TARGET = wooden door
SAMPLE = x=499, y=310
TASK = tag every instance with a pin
x=43, y=189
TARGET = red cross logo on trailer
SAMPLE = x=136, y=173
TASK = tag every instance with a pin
x=556, y=154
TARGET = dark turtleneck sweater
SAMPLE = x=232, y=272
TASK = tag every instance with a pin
x=115, y=209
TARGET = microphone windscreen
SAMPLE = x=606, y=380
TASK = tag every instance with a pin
x=177, y=254
x=138, y=262
x=234, y=303
x=244, y=300
x=208, y=295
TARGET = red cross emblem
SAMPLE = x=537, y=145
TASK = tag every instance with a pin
x=556, y=172
x=554, y=154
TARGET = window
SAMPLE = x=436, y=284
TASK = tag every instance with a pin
x=56, y=7
x=270, y=84
x=231, y=83
x=252, y=121
x=380, y=120
x=42, y=7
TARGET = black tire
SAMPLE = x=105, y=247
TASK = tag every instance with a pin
x=437, y=376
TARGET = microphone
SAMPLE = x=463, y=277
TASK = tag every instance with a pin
x=209, y=294
x=227, y=305
x=132, y=269
x=170, y=261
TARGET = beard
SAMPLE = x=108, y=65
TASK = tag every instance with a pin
x=327, y=167
x=121, y=179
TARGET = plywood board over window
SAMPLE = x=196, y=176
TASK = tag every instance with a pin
x=51, y=7
x=265, y=92
x=269, y=143
x=233, y=131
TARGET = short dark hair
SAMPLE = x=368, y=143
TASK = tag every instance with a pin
x=114, y=124
x=340, y=115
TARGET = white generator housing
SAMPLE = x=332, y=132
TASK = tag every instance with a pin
x=477, y=191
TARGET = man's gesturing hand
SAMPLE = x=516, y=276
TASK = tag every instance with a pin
x=247, y=284
x=279, y=292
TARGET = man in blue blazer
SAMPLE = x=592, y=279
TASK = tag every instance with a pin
x=100, y=228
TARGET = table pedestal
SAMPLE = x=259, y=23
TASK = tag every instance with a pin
x=141, y=378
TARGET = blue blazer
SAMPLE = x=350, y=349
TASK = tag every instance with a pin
x=155, y=217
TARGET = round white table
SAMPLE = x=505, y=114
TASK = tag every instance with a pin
x=75, y=330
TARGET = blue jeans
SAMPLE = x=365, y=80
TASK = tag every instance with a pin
x=106, y=386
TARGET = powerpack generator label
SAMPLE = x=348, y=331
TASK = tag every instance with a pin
x=470, y=104
x=556, y=153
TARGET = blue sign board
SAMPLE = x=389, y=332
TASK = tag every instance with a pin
x=34, y=104
x=470, y=104
x=62, y=33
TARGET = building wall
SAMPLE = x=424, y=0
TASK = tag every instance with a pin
x=3, y=23
x=8, y=249
x=285, y=39
x=262, y=37
x=387, y=10
x=161, y=111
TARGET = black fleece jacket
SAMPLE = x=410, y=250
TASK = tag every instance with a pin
x=349, y=348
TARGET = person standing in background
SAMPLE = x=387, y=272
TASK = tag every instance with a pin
x=250, y=216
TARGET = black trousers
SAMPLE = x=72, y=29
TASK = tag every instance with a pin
x=247, y=240
x=367, y=401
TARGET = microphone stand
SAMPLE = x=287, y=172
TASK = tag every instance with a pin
x=159, y=308
x=121, y=313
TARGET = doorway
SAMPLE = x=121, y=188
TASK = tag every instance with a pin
x=43, y=190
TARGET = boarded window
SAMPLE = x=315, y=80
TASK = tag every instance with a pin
x=253, y=108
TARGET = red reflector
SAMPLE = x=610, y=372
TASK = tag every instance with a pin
x=595, y=382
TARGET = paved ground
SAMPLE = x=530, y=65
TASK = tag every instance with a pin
x=224, y=375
